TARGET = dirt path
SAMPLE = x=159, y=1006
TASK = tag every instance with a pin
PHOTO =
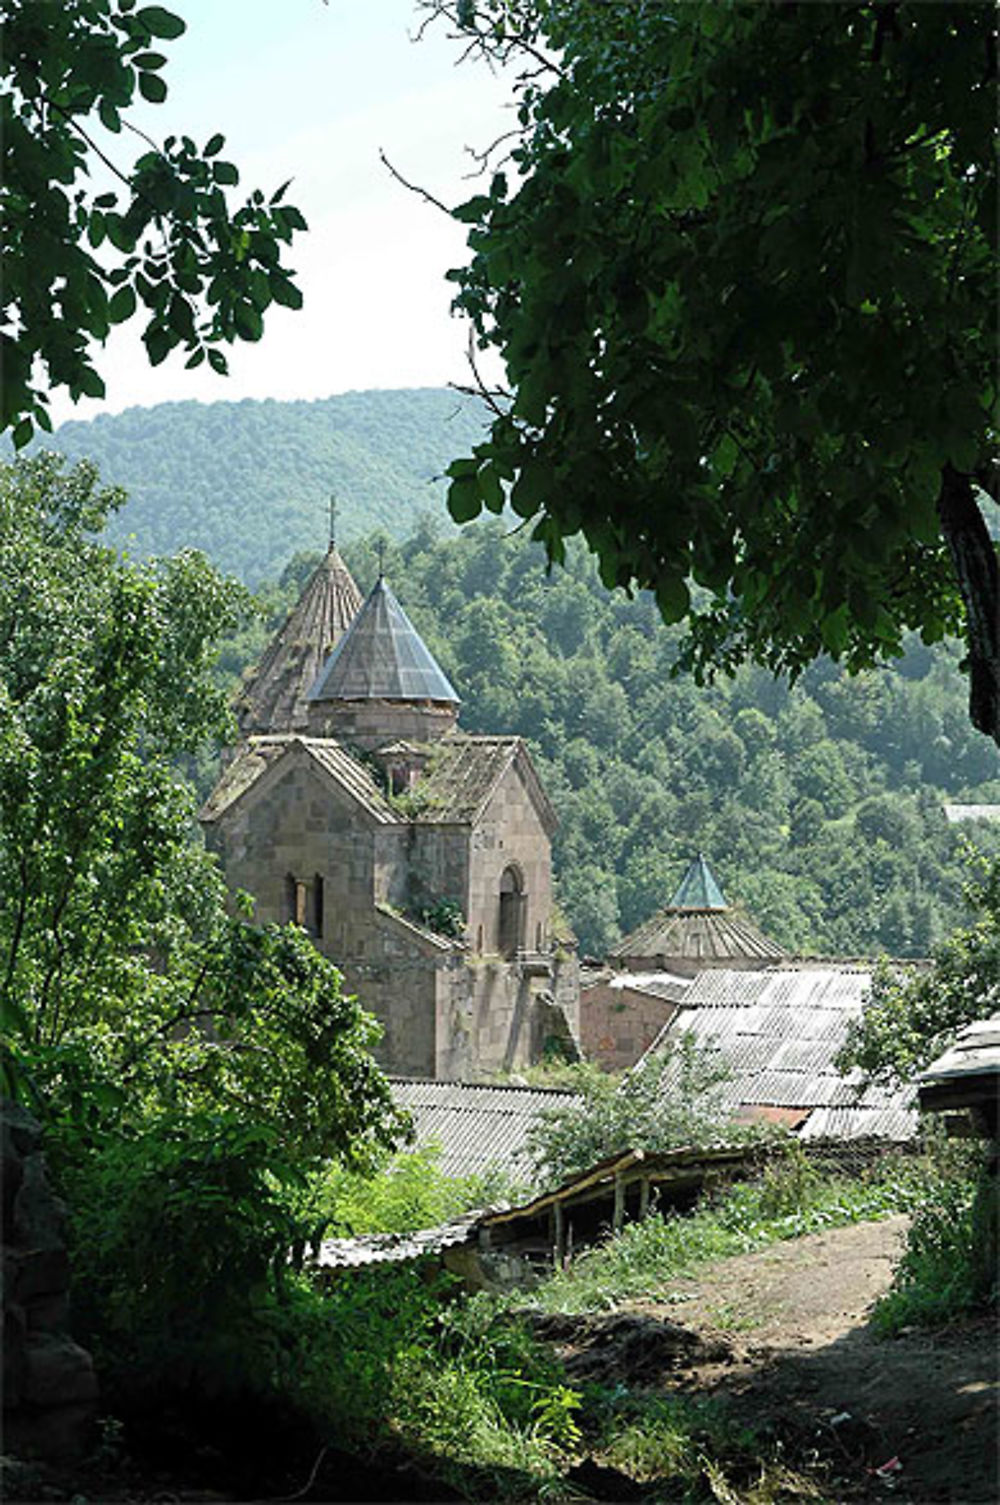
x=805, y=1362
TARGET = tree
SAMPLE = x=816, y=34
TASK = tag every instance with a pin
x=741, y=268
x=129, y=994
x=664, y=1102
x=77, y=262
x=909, y=1020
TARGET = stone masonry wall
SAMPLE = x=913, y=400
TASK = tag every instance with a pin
x=49, y=1385
x=509, y=833
x=618, y=1024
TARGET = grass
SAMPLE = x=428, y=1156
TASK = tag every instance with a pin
x=465, y=1387
x=790, y=1199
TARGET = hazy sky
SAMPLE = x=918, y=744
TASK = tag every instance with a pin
x=311, y=91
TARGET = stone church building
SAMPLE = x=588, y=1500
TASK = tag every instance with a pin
x=417, y=856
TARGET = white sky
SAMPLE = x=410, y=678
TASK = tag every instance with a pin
x=311, y=91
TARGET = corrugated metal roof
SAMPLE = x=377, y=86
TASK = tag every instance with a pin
x=273, y=697
x=394, y=1248
x=976, y=1052
x=778, y=1031
x=665, y=985
x=955, y=814
x=382, y=657
x=477, y=1126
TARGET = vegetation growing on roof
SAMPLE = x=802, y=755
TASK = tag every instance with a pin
x=820, y=807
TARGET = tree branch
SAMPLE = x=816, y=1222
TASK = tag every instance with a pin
x=424, y=194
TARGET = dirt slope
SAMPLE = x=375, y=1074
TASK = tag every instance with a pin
x=803, y=1363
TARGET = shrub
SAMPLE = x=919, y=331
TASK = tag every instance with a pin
x=949, y=1267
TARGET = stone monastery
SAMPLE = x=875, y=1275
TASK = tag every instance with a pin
x=417, y=856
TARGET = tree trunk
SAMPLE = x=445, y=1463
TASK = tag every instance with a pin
x=975, y=561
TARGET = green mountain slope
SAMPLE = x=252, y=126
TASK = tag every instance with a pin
x=248, y=482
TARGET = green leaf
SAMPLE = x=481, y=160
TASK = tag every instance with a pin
x=218, y=362
x=225, y=173
x=463, y=499
x=672, y=597
x=195, y=359
x=90, y=383
x=152, y=87
x=148, y=60
x=159, y=342
x=110, y=119
x=214, y=145
x=21, y=432
x=490, y=489
x=285, y=292
x=161, y=23
x=122, y=305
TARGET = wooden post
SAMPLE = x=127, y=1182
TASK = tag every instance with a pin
x=557, y=1223
x=619, y=1212
x=643, y=1196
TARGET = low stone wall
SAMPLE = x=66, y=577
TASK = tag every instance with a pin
x=49, y=1385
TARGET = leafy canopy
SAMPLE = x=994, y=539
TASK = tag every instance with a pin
x=909, y=1021
x=741, y=268
x=162, y=239
x=664, y=1103
x=130, y=995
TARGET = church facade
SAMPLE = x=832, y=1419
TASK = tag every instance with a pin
x=417, y=856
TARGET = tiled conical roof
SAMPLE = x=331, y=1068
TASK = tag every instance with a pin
x=273, y=699
x=697, y=926
x=382, y=657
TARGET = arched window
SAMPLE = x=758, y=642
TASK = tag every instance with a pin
x=512, y=906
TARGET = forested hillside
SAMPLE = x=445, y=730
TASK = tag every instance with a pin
x=248, y=482
x=820, y=806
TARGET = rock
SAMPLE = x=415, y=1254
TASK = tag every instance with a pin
x=59, y=1372
x=36, y=1272
x=39, y=1220
x=48, y=1313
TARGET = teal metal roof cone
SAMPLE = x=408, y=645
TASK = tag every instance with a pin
x=382, y=657
x=698, y=888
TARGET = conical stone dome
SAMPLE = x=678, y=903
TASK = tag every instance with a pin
x=274, y=697
x=382, y=682
x=697, y=929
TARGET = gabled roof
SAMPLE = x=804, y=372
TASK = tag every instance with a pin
x=698, y=888
x=464, y=770
x=260, y=754
x=778, y=1032
x=273, y=698
x=382, y=657
x=462, y=773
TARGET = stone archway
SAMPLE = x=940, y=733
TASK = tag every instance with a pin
x=513, y=904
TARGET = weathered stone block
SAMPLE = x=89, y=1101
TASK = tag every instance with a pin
x=37, y=1272
x=39, y=1219
x=58, y=1371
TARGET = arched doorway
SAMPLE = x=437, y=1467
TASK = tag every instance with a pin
x=512, y=908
